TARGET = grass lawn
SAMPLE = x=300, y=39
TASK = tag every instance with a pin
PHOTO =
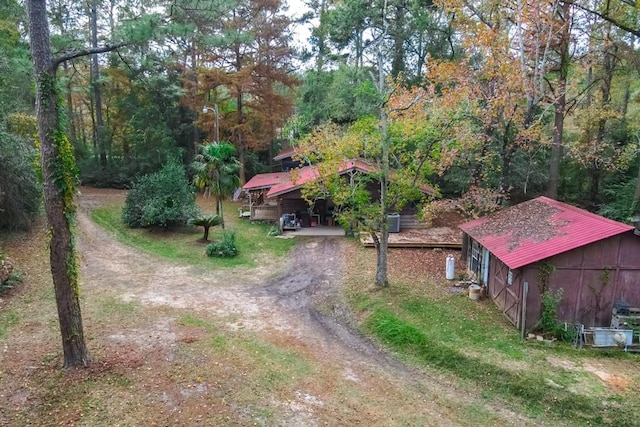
x=254, y=245
x=472, y=344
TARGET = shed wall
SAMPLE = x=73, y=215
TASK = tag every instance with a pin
x=592, y=277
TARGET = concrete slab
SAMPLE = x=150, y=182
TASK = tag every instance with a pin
x=321, y=230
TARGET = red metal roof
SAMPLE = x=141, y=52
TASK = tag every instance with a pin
x=294, y=180
x=310, y=173
x=285, y=182
x=539, y=229
x=285, y=153
x=266, y=180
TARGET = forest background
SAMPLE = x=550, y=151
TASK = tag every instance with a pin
x=518, y=98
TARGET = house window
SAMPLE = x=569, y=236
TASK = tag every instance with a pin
x=476, y=259
x=485, y=266
x=510, y=277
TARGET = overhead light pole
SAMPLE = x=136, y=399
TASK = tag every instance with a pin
x=206, y=109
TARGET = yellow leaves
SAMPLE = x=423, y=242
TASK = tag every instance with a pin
x=601, y=155
x=329, y=144
x=21, y=124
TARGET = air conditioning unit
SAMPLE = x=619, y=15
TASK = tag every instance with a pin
x=393, y=223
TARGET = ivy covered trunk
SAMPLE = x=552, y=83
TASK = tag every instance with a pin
x=59, y=182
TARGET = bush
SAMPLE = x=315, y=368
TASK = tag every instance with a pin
x=274, y=231
x=161, y=199
x=224, y=249
x=8, y=276
x=548, y=323
x=20, y=192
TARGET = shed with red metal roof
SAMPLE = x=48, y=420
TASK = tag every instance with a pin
x=542, y=244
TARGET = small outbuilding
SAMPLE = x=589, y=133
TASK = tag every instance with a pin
x=521, y=251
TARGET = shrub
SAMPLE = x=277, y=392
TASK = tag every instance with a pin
x=274, y=231
x=8, y=276
x=161, y=199
x=548, y=323
x=20, y=192
x=225, y=248
x=14, y=279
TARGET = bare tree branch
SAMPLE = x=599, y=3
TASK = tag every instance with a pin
x=606, y=17
x=479, y=14
x=84, y=52
x=413, y=102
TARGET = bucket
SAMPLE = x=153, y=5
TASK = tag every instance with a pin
x=474, y=292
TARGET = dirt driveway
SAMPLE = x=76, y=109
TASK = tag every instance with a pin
x=178, y=345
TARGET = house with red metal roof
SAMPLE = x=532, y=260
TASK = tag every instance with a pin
x=273, y=194
x=521, y=251
x=286, y=158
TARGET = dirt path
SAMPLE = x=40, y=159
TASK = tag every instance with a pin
x=287, y=303
x=302, y=303
x=177, y=345
x=302, y=300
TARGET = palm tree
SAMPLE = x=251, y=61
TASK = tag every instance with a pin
x=207, y=221
x=216, y=172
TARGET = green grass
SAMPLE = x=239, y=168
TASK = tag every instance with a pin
x=461, y=338
x=189, y=320
x=270, y=365
x=181, y=244
x=530, y=389
x=8, y=319
x=111, y=307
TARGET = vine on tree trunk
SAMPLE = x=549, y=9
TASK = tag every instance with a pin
x=64, y=168
x=64, y=172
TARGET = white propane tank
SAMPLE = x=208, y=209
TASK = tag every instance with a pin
x=451, y=267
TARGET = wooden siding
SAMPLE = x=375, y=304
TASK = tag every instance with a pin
x=592, y=277
x=508, y=297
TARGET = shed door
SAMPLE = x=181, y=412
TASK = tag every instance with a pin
x=506, y=296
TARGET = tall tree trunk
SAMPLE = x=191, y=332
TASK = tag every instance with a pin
x=398, y=64
x=322, y=35
x=556, y=148
x=194, y=94
x=636, y=194
x=609, y=67
x=70, y=111
x=560, y=103
x=359, y=48
x=219, y=212
x=81, y=125
x=240, y=119
x=507, y=152
x=477, y=172
x=382, y=248
x=58, y=201
x=97, y=93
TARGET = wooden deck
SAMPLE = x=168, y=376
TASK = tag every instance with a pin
x=437, y=237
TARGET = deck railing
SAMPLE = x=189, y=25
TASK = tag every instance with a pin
x=265, y=213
